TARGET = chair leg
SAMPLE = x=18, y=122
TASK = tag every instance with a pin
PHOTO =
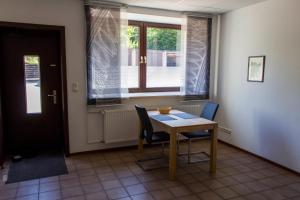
x=139, y=162
x=192, y=153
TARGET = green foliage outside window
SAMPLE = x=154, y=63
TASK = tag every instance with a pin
x=133, y=37
x=31, y=60
x=157, y=38
x=162, y=39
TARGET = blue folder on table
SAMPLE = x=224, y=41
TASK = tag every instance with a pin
x=185, y=115
x=162, y=117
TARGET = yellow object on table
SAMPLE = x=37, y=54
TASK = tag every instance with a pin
x=164, y=110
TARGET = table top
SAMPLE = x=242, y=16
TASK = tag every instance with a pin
x=180, y=122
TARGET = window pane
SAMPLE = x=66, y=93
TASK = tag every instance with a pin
x=163, y=57
x=131, y=72
x=33, y=86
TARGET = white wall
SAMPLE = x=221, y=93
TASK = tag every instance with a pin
x=84, y=123
x=264, y=117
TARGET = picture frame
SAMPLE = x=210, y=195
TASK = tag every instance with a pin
x=256, y=68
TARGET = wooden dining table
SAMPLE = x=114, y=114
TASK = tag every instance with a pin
x=173, y=124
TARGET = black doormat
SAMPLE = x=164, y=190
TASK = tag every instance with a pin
x=44, y=164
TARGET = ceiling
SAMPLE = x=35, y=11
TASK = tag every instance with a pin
x=207, y=6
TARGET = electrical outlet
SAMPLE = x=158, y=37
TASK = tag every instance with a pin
x=225, y=130
x=75, y=87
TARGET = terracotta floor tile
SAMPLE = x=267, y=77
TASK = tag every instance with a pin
x=270, y=182
x=68, y=176
x=70, y=192
x=96, y=196
x=72, y=182
x=255, y=196
x=115, y=175
x=131, y=180
x=162, y=194
x=227, y=181
x=111, y=184
x=189, y=197
x=154, y=185
x=86, y=172
x=49, y=186
x=241, y=189
x=187, y=178
x=198, y=187
x=238, y=198
x=29, y=197
x=145, y=196
x=116, y=193
x=89, y=180
x=91, y=188
x=75, y=198
x=136, y=189
x=107, y=176
x=213, y=184
x=8, y=186
x=8, y=194
x=242, y=178
x=180, y=191
x=295, y=198
x=209, y=196
x=49, y=179
x=30, y=182
x=27, y=190
x=272, y=195
x=256, y=186
x=287, y=191
x=52, y=195
x=226, y=193
x=295, y=186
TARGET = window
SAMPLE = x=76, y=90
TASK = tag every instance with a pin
x=33, y=85
x=153, y=57
x=146, y=55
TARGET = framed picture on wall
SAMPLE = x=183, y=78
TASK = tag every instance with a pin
x=256, y=68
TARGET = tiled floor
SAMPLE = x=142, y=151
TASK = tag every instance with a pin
x=114, y=175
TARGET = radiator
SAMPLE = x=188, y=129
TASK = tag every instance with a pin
x=123, y=125
x=120, y=125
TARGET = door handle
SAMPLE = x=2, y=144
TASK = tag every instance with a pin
x=142, y=60
x=54, y=97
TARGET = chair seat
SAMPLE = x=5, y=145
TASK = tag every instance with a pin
x=160, y=136
x=196, y=134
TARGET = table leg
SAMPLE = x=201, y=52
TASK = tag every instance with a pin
x=173, y=156
x=213, y=149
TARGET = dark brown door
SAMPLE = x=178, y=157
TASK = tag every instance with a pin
x=1, y=135
x=31, y=101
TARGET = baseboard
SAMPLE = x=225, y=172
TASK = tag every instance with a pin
x=129, y=147
x=258, y=156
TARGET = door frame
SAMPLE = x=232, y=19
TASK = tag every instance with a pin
x=63, y=71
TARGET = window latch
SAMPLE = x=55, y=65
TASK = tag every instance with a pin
x=142, y=60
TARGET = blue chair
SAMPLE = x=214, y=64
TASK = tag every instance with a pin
x=209, y=112
x=147, y=133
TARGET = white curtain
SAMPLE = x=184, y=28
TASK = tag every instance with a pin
x=198, y=36
x=106, y=51
x=182, y=42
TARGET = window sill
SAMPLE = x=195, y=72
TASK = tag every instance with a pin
x=153, y=94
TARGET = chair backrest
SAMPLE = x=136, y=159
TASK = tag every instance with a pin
x=210, y=110
x=146, y=125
